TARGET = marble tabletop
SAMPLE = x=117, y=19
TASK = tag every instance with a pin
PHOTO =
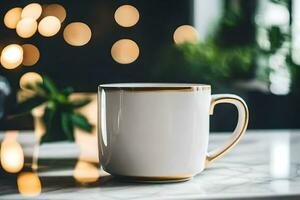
x=264, y=165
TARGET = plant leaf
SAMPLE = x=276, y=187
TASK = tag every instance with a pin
x=30, y=103
x=80, y=103
x=81, y=122
x=59, y=117
x=49, y=86
x=67, y=91
x=30, y=86
x=48, y=121
x=67, y=125
x=53, y=123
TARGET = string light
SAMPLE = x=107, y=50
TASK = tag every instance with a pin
x=31, y=54
x=33, y=11
x=77, y=34
x=49, y=26
x=11, y=56
x=185, y=33
x=26, y=27
x=12, y=17
x=30, y=78
x=125, y=51
x=55, y=10
x=127, y=16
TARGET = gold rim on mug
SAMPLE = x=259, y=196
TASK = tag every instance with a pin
x=144, y=87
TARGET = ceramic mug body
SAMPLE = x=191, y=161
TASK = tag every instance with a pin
x=154, y=131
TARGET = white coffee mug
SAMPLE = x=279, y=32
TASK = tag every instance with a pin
x=159, y=132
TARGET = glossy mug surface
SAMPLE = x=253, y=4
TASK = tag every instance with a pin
x=159, y=132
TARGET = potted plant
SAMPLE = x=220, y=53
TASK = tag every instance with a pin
x=59, y=115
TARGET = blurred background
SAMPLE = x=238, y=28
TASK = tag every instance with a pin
x=54, y=54
x=250, y=48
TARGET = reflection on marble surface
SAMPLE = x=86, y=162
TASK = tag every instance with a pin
x=85, y=172
x=11, y=153
x=29, y=184
x=280, y=156
x=266, y=164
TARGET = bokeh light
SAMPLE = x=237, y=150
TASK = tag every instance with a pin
x=125, y=51
x=274, y=14
x=185, y=33
x=49, y=26
x=11, y=56
x=12, y=156
x=30, y=78
x=31, y=54
x=77, y=34
x=127, y=16
x=86, y=172
x=26, y=27
x=29, y=184
x=33, y=11
x=12, y=17
x=55, y=10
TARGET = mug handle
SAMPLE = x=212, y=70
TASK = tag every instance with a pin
x=243, y=117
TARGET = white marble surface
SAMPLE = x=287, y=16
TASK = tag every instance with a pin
x=265, y=165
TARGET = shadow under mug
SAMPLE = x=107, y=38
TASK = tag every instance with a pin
x=159, y=132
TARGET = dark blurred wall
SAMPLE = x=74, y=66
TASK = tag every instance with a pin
x=84, y=68
x=87, y=66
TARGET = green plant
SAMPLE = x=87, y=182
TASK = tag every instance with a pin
x=227, y=54
x=60, y=116
x=218, y=63
x=207, y=62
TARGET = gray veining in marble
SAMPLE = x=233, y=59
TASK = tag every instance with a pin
x=266, y=164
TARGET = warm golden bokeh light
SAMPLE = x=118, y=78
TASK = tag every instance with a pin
x=127, y=16
x=125, y=51
x=86, y=172
x=31, y=54
x=11, y=56
x=29, y=184
x=12, y=17
x=33, y=11
x=185, y=33
x=30, y=78
x=49, y=26
x=55, y=10
x=26, y=27
x=12, y=156
x=77, y=34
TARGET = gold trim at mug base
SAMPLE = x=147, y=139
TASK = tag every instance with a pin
x=154, y=179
